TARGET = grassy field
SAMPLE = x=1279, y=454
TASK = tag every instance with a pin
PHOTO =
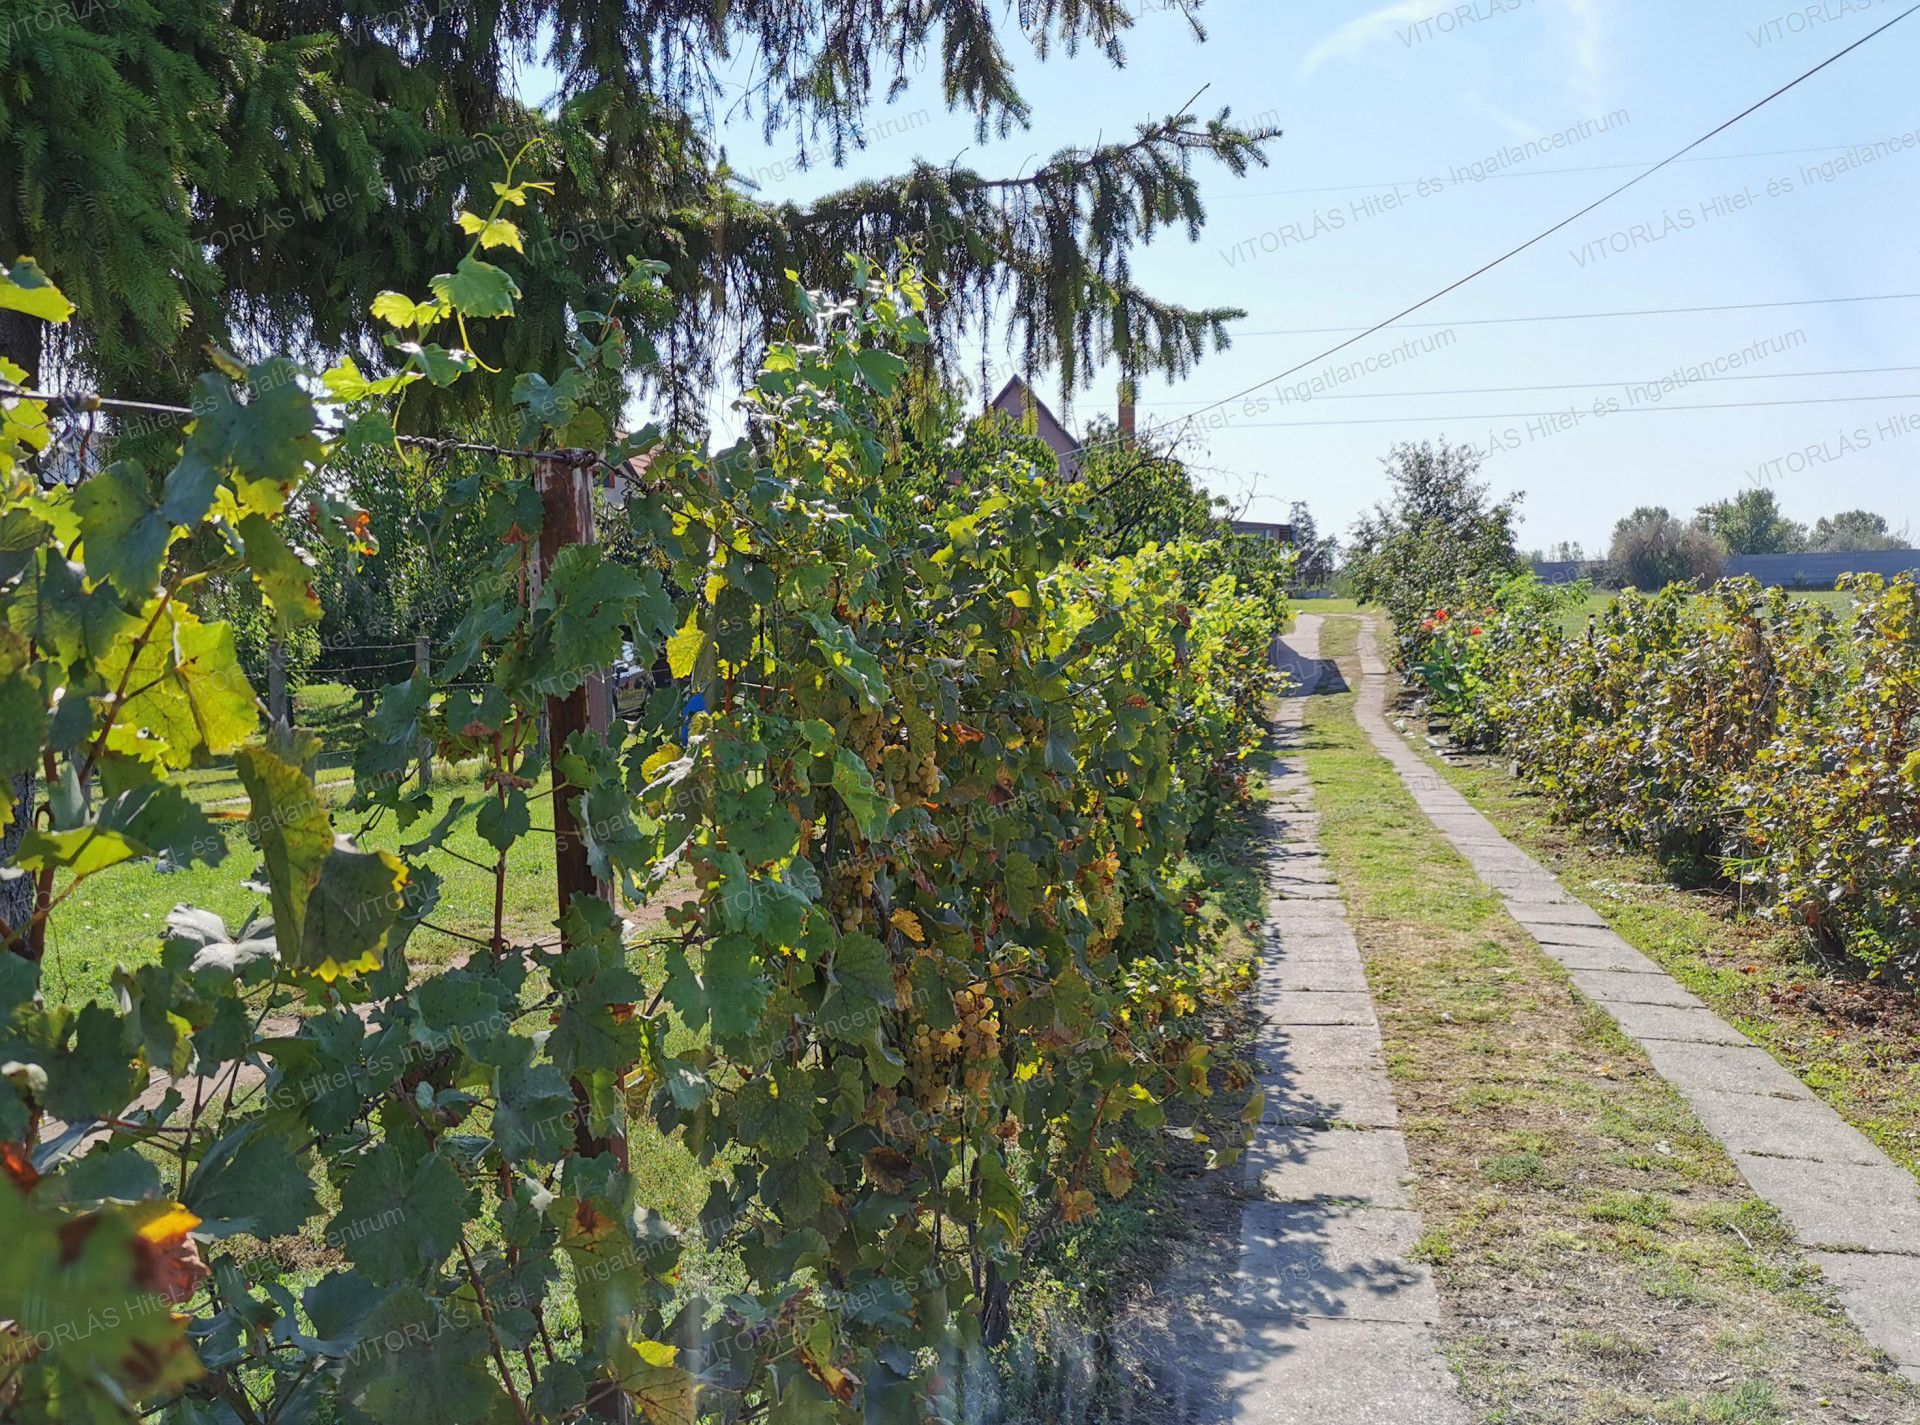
x=1599, y=1258
x=1599, y=601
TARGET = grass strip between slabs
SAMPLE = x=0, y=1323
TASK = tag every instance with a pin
x=1853, y=1042
x=1599, y=1258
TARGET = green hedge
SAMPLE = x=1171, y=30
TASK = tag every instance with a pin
x=1739, y=734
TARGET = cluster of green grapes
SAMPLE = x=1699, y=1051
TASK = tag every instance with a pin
x=971, y=1046
x=852, y=889
x=925, y=778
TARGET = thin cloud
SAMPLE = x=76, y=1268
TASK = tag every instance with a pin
x=1480, y=104
x=1355, y=36
x=1589, y=52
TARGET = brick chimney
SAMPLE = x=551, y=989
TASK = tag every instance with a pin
x=1126, y=407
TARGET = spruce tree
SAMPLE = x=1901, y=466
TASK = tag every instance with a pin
x=255, y=172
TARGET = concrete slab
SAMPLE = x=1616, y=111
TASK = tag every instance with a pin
x=1327, y=1097
x=1720, y=1068
x=1297, y=1007
x=1334, y=941
x=1848, y=1207
x=1296, y=888
x=1658, y=1021
x=1315, y=1259
x=1611, y=987
x=1326, y=1046
x=1303, y=1164
x=1531, y=913
x=1300, y=868
x=1319, y=1372
x=1881, y=1288
x=1621, y=959
x=1586, y=936
x=1528, y=887
x=1300, y=916
x=1782, y=1128
x=1333, y=974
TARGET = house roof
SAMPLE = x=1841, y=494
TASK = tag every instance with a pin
x=1016, y=398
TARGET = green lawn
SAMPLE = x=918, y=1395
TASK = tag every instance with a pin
x=120, y=915
x=1599, y=601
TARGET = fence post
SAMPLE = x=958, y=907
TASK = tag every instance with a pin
x=566, y=499
x=423, y=670
x=277, y=712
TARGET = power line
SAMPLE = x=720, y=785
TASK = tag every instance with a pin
x=1539, y=172
x=1580, y=385
x=1543, y=235
x=1598, y=415
x=1576, y=317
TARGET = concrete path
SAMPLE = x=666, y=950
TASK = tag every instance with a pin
x=1319, y=1317
x=1855, y=1211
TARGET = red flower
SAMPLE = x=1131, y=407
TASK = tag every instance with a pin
x=1477, y=631
x=1441, y=615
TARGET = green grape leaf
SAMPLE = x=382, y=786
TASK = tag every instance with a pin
x=862, y=967
x=345, y=382
x=592, y=600
x=398, y=1220
x=23, y=723
x=99, y=1074
x=187, y=695
x=292, y=827
x=124, y=535
x=25, y=288
x=736, y=986
x=151, y=820
x=416, y=1365
x=758, y=826
x=854, y=665
x=534, y=1119
x=284, y=574
x=334, y=907
x=776, y=1125
x=252, y=1182
x=399, y=310
x=854, y=783
x=443, y=366
x=270, y=440
x=355, y=904
x=476, y=289
x=502, y=821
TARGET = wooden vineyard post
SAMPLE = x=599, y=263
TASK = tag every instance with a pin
x=277, y=711
x=423, y=668
x=566, y=499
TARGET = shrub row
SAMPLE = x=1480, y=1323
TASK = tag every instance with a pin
x=1738, y=733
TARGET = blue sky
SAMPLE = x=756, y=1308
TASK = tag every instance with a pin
x=1373, y=200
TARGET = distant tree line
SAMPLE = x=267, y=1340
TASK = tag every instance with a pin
x=1653, y=547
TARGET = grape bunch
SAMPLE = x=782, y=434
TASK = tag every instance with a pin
x=971, y=1047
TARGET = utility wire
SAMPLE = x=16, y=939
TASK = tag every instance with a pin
x=1598, y=415
x=1542, y=236
x=1579, y=385
x=1584, y=316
